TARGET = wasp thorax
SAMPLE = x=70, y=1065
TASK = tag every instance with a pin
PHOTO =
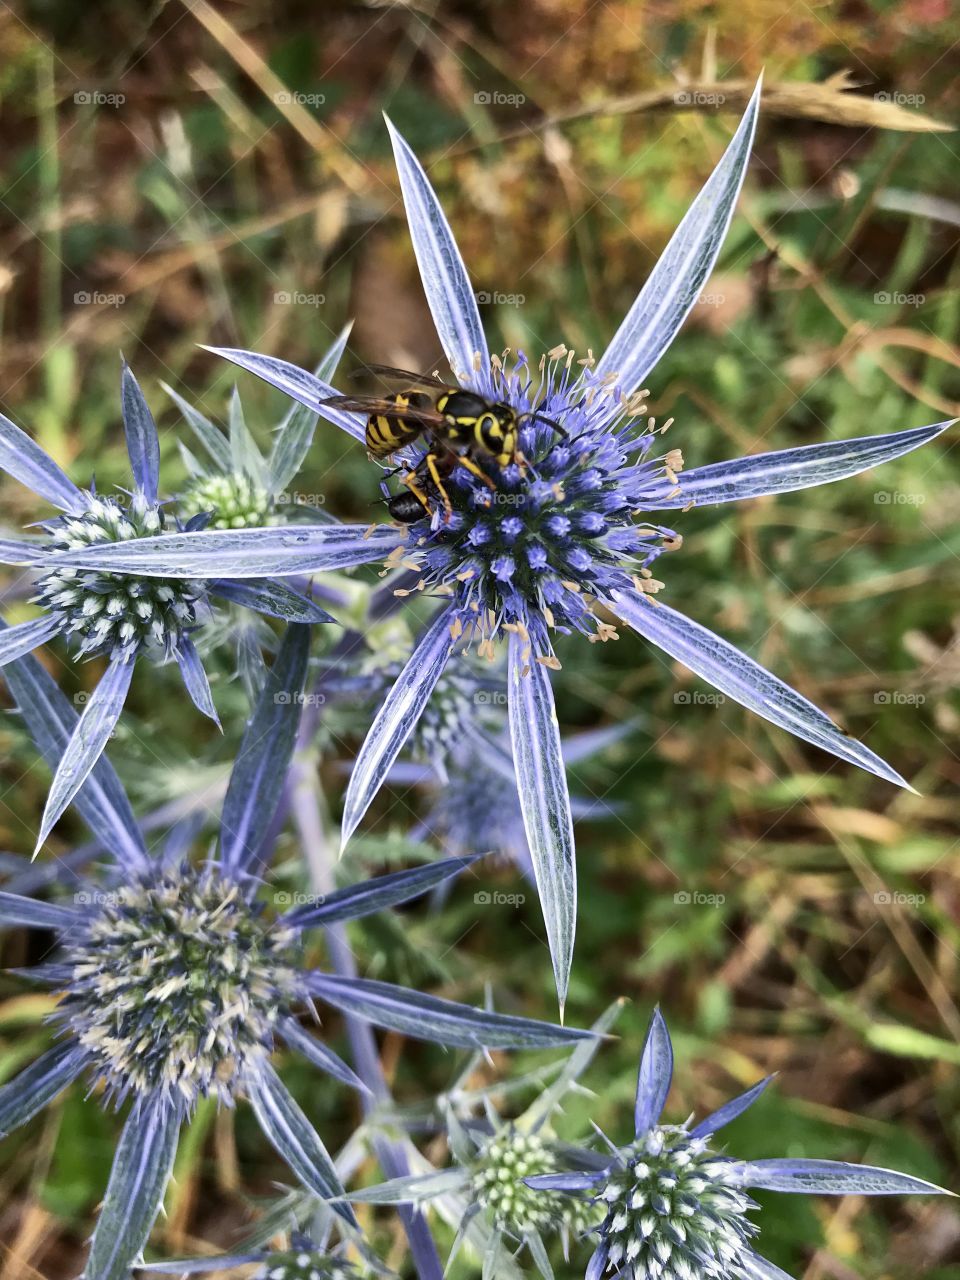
x=111, y=612
x=233, y=502
x=499, y=1187
x=675, y=1212
x=176, y=985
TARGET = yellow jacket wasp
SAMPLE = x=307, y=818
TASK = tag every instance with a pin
x=460, y=425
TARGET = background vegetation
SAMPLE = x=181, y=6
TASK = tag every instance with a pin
x=176, y=173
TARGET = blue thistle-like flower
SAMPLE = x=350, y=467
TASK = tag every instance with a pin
x=562, y=538
x=560, y=530
x=675, y=1208
x=118, y=614
x=487, y=1194
x=178, y=982
x=177, y=985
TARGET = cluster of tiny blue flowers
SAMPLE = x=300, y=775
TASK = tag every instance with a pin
x=175, y=985
x=113, y=613
x=674, y=1211
x=560, y=528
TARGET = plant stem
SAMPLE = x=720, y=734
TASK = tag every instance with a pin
x=305, y=804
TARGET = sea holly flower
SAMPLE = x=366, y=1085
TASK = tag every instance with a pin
x=556, y=540
x=178, y=983
x=486, y=1193
x=677, y=1208
x=233, y=483
x=117, y=616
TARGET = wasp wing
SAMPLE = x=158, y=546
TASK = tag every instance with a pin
x=381, y=406
x=405, y=375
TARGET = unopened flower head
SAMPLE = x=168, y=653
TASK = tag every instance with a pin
x=176, y=985
x=451, y=714
x=233, y=501
x=499, y=1189
x=464, y=702
x=674, y=1211
x=112, y=613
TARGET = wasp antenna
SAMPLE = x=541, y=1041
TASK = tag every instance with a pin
x=549, y=421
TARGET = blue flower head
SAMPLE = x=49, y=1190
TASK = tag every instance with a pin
x=677, y=1208
x=179, y=981
x=564, y=533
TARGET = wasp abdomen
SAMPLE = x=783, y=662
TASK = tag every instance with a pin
x=386, y=434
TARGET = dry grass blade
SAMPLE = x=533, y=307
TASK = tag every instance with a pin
x=832, y=101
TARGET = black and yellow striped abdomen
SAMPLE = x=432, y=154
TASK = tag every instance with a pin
x=385, y=434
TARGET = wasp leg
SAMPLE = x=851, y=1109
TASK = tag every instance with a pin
x=409, y=478
x=430, y=462
x=466, y=461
